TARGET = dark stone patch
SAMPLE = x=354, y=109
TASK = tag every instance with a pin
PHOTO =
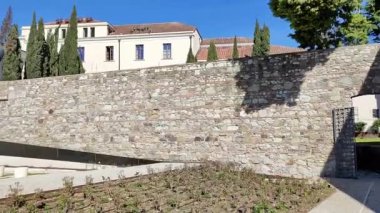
x=198, y=139
x=170, y=137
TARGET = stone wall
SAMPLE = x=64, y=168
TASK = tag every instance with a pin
x=272, y=114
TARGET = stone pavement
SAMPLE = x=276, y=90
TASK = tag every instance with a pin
x=360, y=195
x=54, y=181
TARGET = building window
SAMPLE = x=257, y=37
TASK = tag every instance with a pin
x=167, y=51
x=376, y=113
x=140, y=52
x=85, y=32
x=81, y=53
x=63, y=33
x=92, y=31
x=109, y=53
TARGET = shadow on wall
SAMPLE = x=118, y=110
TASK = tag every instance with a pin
x=357, y=189
x=1, y=62
x=284, y=76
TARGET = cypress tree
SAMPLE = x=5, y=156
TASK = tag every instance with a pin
x=69, y=61
x=235, y=53
x=43, y=50
x=257, y=41
x=32, y=61
x=190, y=57
x=12, y=59
x=265, y=40
x=6, y=27
x=212, y=54
x=52, y=41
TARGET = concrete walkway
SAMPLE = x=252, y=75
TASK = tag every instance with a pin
x=54, y=181
x=360, y=195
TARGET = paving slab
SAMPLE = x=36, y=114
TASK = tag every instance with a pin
x=54, y=181
x=353, y=195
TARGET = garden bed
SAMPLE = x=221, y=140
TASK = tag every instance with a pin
x=209, y=188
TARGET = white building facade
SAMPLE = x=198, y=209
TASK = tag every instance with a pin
x=103, y=47
x=367, y=109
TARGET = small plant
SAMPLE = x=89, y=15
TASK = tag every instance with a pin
x=38, y=194
x=64, y=202
x=88, y=189
x=132, y=205
x=68, y=185
x=173, y=202
x=121, y=175
x=31, y=208
x=359, y=126
x=375, y=126
x=89, y=180
x=121, y=181
x=262, y=207
x=15, y=196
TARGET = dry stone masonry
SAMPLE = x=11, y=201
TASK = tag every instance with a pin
x=272, y=114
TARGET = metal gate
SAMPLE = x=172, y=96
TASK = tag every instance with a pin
x=345, y=146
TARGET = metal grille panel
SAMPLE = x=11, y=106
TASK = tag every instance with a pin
x=345, y=147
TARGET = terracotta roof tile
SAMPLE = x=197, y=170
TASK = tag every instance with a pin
x=227, y=40
x=66, y=21
x=152, y=28
x=225, y=52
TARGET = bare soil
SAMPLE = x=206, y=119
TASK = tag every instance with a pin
x=208, y=188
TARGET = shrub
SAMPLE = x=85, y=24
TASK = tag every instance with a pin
x=359, y=127
x=375, y=126
x=262, y=207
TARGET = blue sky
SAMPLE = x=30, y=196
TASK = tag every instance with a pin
x=213, y=18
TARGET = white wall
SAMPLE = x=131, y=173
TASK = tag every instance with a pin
x=364, y=106
x=95, y=55
x=196, y=43
x=95, y=52
x=95, y=48
x=101, y=30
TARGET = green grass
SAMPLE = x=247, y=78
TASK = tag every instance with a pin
x=367, y=140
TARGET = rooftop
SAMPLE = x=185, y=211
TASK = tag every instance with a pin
x=152, y=28
x=225, y=48
x=241, y=40
x=66, y=21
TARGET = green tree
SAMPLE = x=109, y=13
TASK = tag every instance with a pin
x=6, y=27
x=316, y=23
x=69, y=61
x=190, y=57
x=212, y=54
x=235, y=52
x=52, y=41
x=372, y=9
x=12, y=59
x=357, y=31
x=43, y=50
x=265, y=40
x=32, y=61
x=257, y=44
